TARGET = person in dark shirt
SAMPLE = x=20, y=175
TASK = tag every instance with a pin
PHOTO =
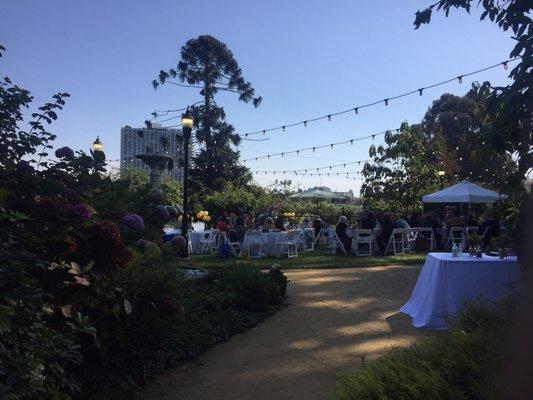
x=490, y=227
x=368, y=221
x=279, y=222
x=317, y=224
x=414, y=221
x=340, y=230
x=387, y=226
x=428, y=220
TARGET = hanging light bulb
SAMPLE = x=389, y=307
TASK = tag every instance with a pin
x=297, y=152
x=356, y=110
x=283, y=128
x=314, y=148
x=264, y=132
x=386, y=102
x=256, y=159
x=268, y=156
x=351, y=142
x=331, y=145
x=317, y=169
x=505, y=65
x=305, y=123
x=420, y=91
x=373, y=137
x=245, y=135
x=460, y=78
x=329, y=117
x=282, y=154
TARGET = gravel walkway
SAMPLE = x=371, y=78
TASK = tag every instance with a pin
x=334, y=318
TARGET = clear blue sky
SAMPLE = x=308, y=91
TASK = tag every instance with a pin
x=306, y=58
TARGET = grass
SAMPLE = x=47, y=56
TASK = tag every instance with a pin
x=309, y=260
x=459, y=364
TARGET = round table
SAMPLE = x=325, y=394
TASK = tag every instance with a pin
x=196, y=239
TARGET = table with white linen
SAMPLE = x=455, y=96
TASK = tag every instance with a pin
x=271, y=240
x=196, y=239
x=445, y=283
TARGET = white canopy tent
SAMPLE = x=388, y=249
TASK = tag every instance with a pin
x=463, y=192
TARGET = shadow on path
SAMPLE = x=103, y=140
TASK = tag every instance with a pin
x=333, y=318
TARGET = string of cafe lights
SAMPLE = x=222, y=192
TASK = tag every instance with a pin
x=385, y=101
x=314, y=148
x=342, y=174
x=305, y=170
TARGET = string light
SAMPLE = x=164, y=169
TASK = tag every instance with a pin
x=386, y=100
x=314, y=148
x=505, y=66
x=327, y=167
x=283, y=128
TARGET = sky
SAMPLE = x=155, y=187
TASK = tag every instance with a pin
x=306, y=58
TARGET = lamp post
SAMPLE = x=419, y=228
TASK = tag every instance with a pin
x=187, y=122
x=97, y=145
x=441, y=177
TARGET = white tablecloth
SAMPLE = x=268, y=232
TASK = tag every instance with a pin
x=196, y=237
x=445, y=283
x=271, y=240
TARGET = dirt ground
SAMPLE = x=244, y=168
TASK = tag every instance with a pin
x=334, y=318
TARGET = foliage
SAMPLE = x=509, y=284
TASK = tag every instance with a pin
x=240, y=200
x=456, y=365
x=230, y=302
x=402, y=172
x=508, y=107
x=207, y=63
x=138, y=182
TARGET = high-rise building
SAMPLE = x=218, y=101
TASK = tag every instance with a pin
x=153, y=140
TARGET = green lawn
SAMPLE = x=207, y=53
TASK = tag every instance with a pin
x=312, y=259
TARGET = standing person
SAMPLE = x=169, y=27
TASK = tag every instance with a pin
x=239, y=230
x=340, y=230
x=318, y=225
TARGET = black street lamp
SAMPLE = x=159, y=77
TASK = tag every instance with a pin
x=187, y=122
x=97, y=145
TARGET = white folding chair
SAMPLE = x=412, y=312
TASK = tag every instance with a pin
x=320, y=234
x=235, y=247
x=396, y=244
x=335, y=243
x=255, y=244
x=429, y=235
x=308, y=239
x=289, y=246
x=457, y=236
x=410, y=239
x=209, y=242
x=366, y=238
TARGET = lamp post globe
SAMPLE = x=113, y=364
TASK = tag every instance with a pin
x=441, y=174
x=187, y=123
x=98, y=145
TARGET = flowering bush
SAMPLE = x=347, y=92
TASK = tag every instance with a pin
x=132, y=223
x=80, y=211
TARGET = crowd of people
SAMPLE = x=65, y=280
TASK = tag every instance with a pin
x=382, y=224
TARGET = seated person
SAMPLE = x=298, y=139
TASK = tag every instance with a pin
x=490, y=227
x=222, y=224
x=368, y=221
x=428, y=220
x=401, y=222
x=340, y=230
x=279, y=222
x=239, y=231
x=387, y=226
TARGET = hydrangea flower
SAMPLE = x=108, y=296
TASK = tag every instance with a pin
x=25, y=167
x=132, y=223
x=162, y=213
x=64, y=152
x=72, y=196
x=80, y=211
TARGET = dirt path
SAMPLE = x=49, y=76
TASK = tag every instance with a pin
x=333, y=317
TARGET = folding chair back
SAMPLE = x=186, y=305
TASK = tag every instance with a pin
x=365, y=237
x=396, y=243
x=429, y=235
x=255, y=244
x=457, y=236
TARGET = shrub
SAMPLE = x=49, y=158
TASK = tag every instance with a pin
x=458, y=364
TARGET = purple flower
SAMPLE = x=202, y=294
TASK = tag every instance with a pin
x=133, y=223
x=72, y=196
x=80, y=211
x=25, y=167
x=162, y=213
x=64, y=152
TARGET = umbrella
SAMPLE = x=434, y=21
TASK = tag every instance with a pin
x=318, y=194
x=463, y=192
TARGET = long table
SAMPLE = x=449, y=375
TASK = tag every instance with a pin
x=445, y=283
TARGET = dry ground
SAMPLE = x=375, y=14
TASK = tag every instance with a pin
x=333, y=318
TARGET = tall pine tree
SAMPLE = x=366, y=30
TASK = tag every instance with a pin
x=207, y=64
